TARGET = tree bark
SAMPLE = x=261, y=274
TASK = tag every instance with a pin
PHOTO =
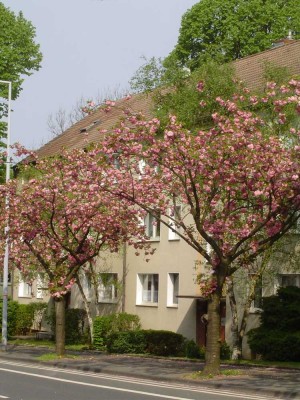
x=236, y=343
x=238, y=330
x=212, y=353
x=87, y=309
x=60, y=326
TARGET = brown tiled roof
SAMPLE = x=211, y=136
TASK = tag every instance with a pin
x=88, y=129
x=249, y=69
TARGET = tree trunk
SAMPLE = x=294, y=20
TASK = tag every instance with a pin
x=236, y=343
x=212, y=352
x=238, y=332
x=87, y=309
x=247, y=306
x=60, y=326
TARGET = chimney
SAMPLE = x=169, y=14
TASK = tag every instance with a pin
x=284, y=41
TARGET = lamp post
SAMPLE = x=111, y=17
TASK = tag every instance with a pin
x=5, y=266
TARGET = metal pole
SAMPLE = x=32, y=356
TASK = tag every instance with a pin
x=5, y=266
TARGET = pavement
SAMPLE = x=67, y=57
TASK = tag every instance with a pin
x=278, y=383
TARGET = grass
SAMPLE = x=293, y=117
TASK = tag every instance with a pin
x=263, y=363
x=31, y=341
x=53, y=357
x=224, y=372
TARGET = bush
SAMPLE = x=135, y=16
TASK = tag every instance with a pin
x=25, y=316
x=108, y=324
x=12, y=308
x=225, y=351
x=159, y=343
x=133, y=342
x=275, y=346
x=192, y=350
x=75, y=318
x=278, y=337
x=164, y=343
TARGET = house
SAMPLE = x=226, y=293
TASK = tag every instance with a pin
x=163, y=292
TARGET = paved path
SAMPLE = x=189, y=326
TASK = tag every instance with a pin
x=280, y=383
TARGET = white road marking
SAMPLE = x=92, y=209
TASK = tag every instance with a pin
x=130, y=380
x=3, y=397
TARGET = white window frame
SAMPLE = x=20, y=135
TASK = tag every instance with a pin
x=107, y=292
x=147, y=289
x=40, y=284
x=24, y=289
x=152, y=228
x=174, y=235
x=172, y=289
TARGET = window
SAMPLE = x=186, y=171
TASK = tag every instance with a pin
x=147, y=289
x=107, y=288
x=40, y=285
x=25, y=289
x=172, y=290
x=289, y=280
x=8, y=278
x=152, y=226
x=176, y=216
x=258, y=298
x=257, y=302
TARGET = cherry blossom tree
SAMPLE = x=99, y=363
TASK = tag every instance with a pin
x=237, y=183
x=60, y=219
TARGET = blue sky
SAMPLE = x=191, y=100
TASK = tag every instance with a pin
x=89, y=47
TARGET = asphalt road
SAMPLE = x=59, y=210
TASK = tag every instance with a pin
x=21, y=381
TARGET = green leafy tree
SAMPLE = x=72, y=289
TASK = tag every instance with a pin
x=230, y=29
x=19, y=56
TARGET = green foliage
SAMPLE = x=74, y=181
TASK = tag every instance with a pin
x=108, y=324
x=192, y=350
x=184, y=98
x=148, y=77
x=225, y=351
x=163, y=343
x=133, y=342
x=158, y=343
x=75, y=318
x=226, y=30
x=278, y=337
x=12, y=310
x=25, y=316
x=20, y=55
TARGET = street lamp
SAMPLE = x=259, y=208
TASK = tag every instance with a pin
x=5, y=266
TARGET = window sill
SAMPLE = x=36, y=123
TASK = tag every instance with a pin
x=176, y=239
x=25, y=297
x=154, y=239
x=155, y=305
x=107, y=301
x=172, y=305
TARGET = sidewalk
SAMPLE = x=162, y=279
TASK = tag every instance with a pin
x=279, y=383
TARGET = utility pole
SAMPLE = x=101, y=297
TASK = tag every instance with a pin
x=5, y=266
